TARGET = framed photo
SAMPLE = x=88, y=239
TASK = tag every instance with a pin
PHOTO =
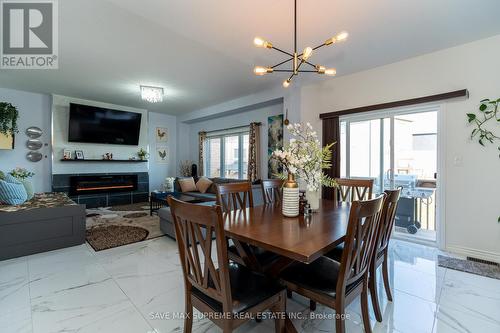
x=79, y=155
x=161, y=155
x=161, y=134
x=66, y=154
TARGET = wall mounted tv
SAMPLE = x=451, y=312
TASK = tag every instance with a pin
x=99, y=125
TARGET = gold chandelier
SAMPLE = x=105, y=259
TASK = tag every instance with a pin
x=297, y=59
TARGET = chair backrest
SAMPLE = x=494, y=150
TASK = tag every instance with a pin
x=232, y=196
x=353, y=189
x=387, y=218
x=271, y=191
x=194, y=229
x=359, y=240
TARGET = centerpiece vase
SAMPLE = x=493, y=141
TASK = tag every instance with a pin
x=313, y=198
x=290, y=202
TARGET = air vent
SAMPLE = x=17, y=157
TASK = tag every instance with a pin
x=483, y=261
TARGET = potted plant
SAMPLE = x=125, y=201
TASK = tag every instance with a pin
x=8, y=119
x=143, y=154
x=305, y=158
x=23, y=176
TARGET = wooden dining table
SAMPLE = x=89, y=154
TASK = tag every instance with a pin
x=302, y=239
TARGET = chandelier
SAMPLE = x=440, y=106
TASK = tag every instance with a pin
x=152, y=94
x=297, y=59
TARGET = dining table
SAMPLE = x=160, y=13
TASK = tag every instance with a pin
x=295, y=239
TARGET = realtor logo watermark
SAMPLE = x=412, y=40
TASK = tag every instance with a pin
x=29, y=33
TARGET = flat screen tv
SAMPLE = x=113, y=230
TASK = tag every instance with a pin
x=99, y=125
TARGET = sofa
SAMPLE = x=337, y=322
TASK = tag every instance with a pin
x=209, y=198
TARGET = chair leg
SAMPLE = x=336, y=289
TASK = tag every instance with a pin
x=364, y=308
x=385, y=274
x=279, y=311
x=374, y=293
x=312, y=305
x=339, y=318
x=188, y=321
x=288, y=293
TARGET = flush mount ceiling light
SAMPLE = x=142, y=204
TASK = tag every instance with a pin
x=297, y=59
x=152, y=94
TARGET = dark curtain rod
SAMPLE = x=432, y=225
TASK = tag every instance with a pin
x=406, y=102
x=230, y=128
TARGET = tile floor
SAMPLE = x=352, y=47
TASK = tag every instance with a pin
x=138, y=289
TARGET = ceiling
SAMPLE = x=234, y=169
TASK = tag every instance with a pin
x=201, y=52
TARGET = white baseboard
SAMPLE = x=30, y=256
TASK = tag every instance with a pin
x=469, y=252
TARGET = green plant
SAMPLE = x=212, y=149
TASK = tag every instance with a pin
x=143, y=154
x=21, y=173
x=8, y=118
x=488, y=110
x=2, y=175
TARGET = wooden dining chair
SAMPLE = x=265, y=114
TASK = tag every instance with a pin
x=271, y=191
x=353, y=189
x=230, y=294
x=336, y=284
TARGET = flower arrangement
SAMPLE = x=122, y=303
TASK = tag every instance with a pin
x=305, y=158
x=21, y=173
x=143, y=154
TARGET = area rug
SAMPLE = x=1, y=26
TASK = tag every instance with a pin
x=102, y=223
x=468, y=266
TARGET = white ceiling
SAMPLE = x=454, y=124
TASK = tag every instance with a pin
x=201, y=52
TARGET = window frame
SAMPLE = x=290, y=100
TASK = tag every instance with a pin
x=221, y=137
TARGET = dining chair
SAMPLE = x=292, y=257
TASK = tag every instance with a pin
x=353, y=189
x=271, y=191
x=336, y=284
x=229, y=294
x=233, y=196
x=381, y=251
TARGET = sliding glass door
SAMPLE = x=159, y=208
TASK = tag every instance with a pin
x=397, y=149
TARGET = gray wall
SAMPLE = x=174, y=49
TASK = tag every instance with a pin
x=34, y=110
x=238, y=119
x=158, y=171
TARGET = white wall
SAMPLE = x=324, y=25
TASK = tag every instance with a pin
x=259, y=114
x=60, y=119
x=158, y=171
x=472, y=189
x=34, y=110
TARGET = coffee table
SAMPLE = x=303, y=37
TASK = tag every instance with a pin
x=158, y=200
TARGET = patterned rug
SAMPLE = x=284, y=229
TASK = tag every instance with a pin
x=102, y=223
x=468, y=266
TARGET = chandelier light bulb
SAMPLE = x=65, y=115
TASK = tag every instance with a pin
x=331, y=71
x=307, y=53
x=321, y=69
x=259, y=70
x=259, y=42
x=342, y=36
x=286, y=83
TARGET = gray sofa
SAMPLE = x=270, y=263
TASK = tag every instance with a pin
x=210, y=198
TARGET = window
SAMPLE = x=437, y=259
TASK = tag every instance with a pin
x=227, y=155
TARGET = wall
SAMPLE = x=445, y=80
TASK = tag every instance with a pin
x=34, y=110
x=258, y=114
x=60, y=120
x=158, y=171
x=472, y=188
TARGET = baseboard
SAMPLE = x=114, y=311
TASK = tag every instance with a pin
x=469, y=252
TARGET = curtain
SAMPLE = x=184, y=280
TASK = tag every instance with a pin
x=202, y=136
x=331, y=133
x=254, y=152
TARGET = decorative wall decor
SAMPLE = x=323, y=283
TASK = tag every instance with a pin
x=6, y=141
x=8, y=119
x=34, y=132
x=66, y=154
x=79, y=155
x=274, y=142
x=34, y=156
x=161, y=134
x=161, y=155
x=34, y=144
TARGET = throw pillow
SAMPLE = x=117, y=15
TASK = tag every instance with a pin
x=12, y=193
x=187, y=184
x=28, y=186
x=203, y=184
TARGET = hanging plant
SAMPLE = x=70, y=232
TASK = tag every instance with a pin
x=8, y=119
x=488, y=110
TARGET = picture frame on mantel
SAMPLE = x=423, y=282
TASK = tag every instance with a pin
x=79, y=155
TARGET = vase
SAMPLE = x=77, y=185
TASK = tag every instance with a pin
x=313, y=198
x=290, y=203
